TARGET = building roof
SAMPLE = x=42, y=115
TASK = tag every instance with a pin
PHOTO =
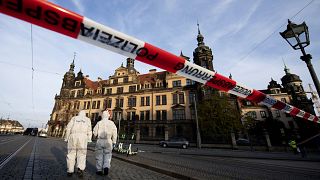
x=91, y=84
x=152, y=77
x=10, y=122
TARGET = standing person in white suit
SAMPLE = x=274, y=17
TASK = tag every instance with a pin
x=78, y=134
x=106, y=132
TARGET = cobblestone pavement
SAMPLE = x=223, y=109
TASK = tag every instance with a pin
x=197, y=166
x=45, y=158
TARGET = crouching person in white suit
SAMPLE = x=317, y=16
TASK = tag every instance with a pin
x=78, y=134
x=106, y=133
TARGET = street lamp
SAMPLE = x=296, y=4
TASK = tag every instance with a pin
x=197, y=122
x=298, y=38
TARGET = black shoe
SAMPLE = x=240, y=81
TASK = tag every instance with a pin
x=80, y=173
x=69, y=174
x=99, y=173
x=106, y=171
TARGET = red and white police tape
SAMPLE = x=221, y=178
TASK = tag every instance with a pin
x=58, y=19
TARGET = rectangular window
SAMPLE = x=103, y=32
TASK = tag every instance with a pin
x=191, y=97
x=147, y=115
x=85, y=105
x=132, y=101
x=164, y=115
x=142, y=101
x=119, y=102
x=93, y=104
x=175, y=99
x=158, y=115
x=115, y=81
x=148, y=101
x=142, y=115
x=178, y=114
x=109, y=103
x=78, y=83
x=176, y=83
x=73, y=93
x=164, y=99
x=263, y=114
x=157, y=100
x=98, y=104
x=181, y=98
x=132, y=88
x=88, y=105
x=188, y=82
x=253, y=114
x=109, y=91
x=119, y=89
x=126, y=79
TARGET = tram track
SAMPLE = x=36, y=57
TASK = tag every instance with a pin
x=9, y=139
x=7, y=156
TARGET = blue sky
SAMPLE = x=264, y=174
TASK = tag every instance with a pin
x=243, y=35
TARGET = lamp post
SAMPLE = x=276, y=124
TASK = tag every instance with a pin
x=197, y=123
x=298, y=38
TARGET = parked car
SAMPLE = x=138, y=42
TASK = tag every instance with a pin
x=43, y=134
x=175, y=142
x=242, y=141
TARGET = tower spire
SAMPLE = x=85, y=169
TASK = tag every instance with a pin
x=198, y=27
x=72, y=64
x=286, y=70
x=199, y=37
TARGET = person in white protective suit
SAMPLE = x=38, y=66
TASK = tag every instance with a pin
x=106, y=133
x=78, y=134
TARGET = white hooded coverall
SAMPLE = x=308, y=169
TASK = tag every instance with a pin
x=106, y=131
x=78, y=134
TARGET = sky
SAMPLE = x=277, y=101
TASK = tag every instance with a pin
x=243, y=35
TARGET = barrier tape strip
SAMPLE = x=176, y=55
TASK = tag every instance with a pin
x=63, y=21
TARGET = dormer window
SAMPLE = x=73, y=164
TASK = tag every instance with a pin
x=89, y=92
x=115, y=81
x=78, y=83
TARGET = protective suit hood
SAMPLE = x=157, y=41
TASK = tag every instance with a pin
x=82, y=113
x=105, y=115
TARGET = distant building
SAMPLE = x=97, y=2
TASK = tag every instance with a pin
x=291, y=91
x=160, y=105
x=10, y=126
x=153, y=106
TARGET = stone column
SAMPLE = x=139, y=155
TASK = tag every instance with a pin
x=150, y=130
x=153, y=131
x=233, y=139
x=166, y=132
x=138, y=135
x=266, y=135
